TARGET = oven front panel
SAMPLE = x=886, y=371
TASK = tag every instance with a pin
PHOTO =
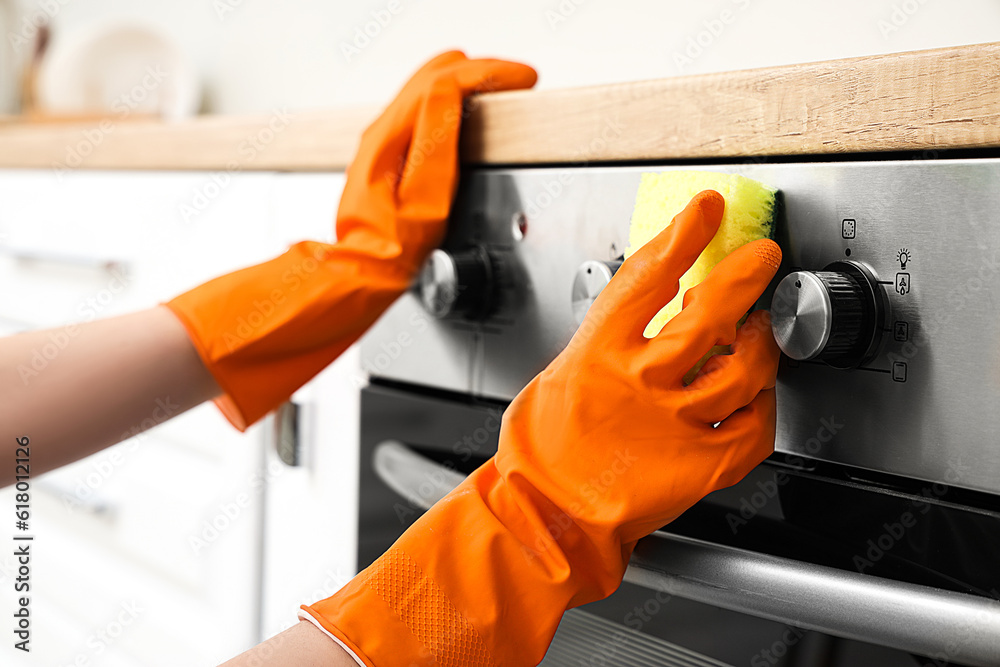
x=924, y=408
x=821, y=522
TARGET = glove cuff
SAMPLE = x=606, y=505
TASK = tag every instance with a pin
x=480, y=580
x=396, y=613
x=264, y=331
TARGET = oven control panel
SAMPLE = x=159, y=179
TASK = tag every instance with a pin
x=886, y=307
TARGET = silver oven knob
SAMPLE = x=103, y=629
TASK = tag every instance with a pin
x=592, y=277
x=835, y=315
x=459, y=283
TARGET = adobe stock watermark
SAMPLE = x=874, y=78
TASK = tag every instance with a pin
x=246, y=152
x=711, y=30
x=591, y=492
x=640, y=615
x=554, y=187
x=771, y=655
x=115, y=457
x=899, y=16
x=223, y=8
x=636, y=619
x=480, y=442
x=228, y=512
x=58, y=340
x=101, y=639
x=262, y=653
x=333, y=581
x=605, y=651
x=766, y=491
x=121, y=108
x=263, y=308
x=952, y=647
x=431, y=140
x=562, y=12
x=435, y=484
x=26, y=32
x=895, y=531
x=365, y=34
x=391, y=350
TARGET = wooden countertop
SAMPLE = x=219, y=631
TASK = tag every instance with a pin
x=937, y=99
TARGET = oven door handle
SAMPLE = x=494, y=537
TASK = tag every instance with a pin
x=417, y=478
x=918, y=619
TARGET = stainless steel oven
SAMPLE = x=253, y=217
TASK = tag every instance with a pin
x=871, y=536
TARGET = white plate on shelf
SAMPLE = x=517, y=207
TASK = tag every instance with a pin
x=126, y=70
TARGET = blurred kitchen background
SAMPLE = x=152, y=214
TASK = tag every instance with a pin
x=253, y=55
x=191, y=542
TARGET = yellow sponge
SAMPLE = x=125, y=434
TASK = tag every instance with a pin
x=749, y=216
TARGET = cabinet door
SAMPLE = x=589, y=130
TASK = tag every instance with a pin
x=311, y=509
x=147, y=553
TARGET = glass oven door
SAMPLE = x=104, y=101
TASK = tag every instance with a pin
x=774, y=571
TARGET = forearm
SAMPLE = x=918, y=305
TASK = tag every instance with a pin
x=114, y=379
x=303, y=645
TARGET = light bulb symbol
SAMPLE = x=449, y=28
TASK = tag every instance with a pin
x=903, y=256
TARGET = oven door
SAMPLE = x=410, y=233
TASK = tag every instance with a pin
x=787, y=568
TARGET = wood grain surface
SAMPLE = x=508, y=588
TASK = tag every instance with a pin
x=937, y=99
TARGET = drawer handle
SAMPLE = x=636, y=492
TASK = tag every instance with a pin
x=286, y=434
x=908, y=617
x=94, y=505
x=112, y=266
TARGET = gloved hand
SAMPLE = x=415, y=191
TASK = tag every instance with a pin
x=264, y=331
x=603, y=447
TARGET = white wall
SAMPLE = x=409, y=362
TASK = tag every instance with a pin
x=254, y=55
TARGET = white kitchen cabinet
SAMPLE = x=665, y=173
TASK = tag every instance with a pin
x=127, y=534
x=310, y=542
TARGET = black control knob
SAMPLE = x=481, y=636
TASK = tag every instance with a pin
x=458, y=283
x=835, y=315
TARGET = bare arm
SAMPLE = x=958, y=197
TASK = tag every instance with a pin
x=303, y=645
x=110, y=380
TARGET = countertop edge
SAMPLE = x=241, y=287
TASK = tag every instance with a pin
x=921, y=100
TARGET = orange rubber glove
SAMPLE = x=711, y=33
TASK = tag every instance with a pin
x=264, y=331
x=602, y=448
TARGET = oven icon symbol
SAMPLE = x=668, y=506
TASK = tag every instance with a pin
x=901, y=331
x=849, y=228
x=902, y=283
x=899, y=371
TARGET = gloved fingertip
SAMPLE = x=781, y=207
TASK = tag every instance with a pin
x=704, y=211
x=527, y=76
x=516, y=75
x=487, y=75
x=768, y=252
x=711, y=203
